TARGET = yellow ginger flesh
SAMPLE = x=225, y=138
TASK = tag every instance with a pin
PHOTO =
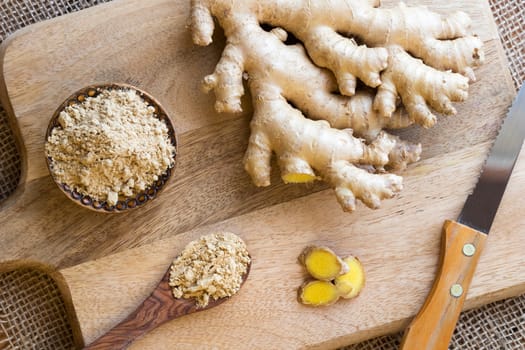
x=309, y=109
x=334, y=277
x=318, y=293
x=351, y=283
x=322, y=263
x=298, y=178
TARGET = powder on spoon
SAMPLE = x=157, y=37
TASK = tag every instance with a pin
x=210, y=267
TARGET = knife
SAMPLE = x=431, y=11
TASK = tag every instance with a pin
x=464, y=239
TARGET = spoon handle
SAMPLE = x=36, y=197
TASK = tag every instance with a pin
x=158, y=308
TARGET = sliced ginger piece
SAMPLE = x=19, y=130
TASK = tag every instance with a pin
x=351, y=283
x=318, y=293
x=322, y=263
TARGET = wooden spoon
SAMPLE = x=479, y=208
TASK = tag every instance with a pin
x=157, y=309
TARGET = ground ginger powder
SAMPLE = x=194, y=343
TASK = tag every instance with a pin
x=211, y=267
x=110, y=146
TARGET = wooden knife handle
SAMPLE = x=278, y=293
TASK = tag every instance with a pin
x=433, y=326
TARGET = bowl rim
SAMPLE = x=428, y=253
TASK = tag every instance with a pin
x=147, y=194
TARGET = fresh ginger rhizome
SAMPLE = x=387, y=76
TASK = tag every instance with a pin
x=308, y=107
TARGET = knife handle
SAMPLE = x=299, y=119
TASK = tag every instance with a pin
x=433, y=326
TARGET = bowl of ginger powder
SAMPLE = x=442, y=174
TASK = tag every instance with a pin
x=110, y=148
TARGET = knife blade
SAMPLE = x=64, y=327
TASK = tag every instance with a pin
x=463, y=240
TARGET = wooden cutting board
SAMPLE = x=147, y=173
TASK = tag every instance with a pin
x=112, y=262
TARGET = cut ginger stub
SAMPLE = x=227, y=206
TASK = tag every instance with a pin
x=297, y=178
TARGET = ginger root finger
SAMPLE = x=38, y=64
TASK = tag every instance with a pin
x=419, y=87
x=434, y=39
x=450, y=55
x=226, y=81
x=202, y=26
x=345, y=58
x=351, y=182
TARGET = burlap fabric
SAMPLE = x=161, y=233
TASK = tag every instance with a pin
x=32, y=315
x=32, y=312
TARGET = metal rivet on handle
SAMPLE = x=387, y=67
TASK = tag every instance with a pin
x=456, y=290
x=469, y=249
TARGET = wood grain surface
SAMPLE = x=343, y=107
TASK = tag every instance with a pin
x=112, y=263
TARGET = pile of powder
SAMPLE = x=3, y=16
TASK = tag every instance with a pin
x=110, y=146
x=211, y=267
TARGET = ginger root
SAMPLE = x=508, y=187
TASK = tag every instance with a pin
x=333, y=277
x=308, y=106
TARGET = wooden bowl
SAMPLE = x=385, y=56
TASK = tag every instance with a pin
x=126, y=204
